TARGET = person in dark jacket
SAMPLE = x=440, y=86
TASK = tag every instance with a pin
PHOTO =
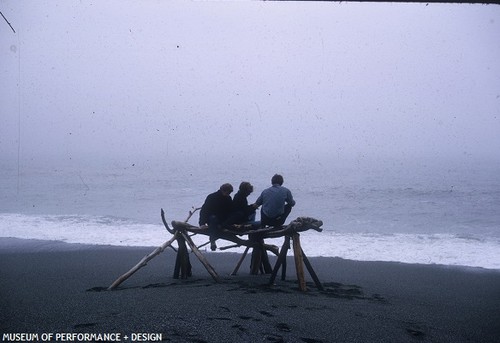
x=242, y=212
x=216, y=210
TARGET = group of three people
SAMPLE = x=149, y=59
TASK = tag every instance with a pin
x=219, y=210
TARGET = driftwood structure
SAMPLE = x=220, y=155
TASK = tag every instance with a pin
x=241, y=235
x=150, y=256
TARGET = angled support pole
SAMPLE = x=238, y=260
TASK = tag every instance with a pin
x=154, y=253
x=281, y=261
x=235, y=271
x=311, y=271
x=142, y=263
x=200, y=256
x=299, y=266
x=300, y=259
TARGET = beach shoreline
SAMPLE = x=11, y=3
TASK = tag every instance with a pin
x=55, y=287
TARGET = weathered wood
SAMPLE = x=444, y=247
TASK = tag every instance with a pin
x=200, y=256
x=224, y=235
x=283, y=263
x=202, y=245
x=232, y=246
x=311, y=271
x=260, y=260
x=297, y=254
x=281, y=260
x=142, y=262
x=177, y=265
x=191, y=212
x=165, y=222
x=266, y=265
x=154, y=253
x=298, y=225
x=240, y=261
x=256, y=260
x=182, y=263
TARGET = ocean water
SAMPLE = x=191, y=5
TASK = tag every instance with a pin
x=430, y=213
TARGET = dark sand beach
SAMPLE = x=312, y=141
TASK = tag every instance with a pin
x=53, y=287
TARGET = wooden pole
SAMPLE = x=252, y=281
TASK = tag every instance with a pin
x=283, y=263
x=256, y=259
x=240, y=261
x=177, y=265
x=182, y=264
x=202, y=258
x=297, y=253
x=311, y=271
x=281, y=259
x=142, y=263
x=266, y=266
x=154, y=253
x=180, y=233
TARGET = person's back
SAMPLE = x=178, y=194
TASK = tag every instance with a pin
x=242, y=212
x=217, y=204
x=277, y=202
x=215, y=210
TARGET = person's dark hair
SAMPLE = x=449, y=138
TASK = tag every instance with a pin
x=277, y=178
x=226, y=188
x=246, y=188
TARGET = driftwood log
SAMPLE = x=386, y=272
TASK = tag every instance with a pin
x=182, y=232
x=260, y=260
x=151, y=255
x=231, y=234
x=255, y=240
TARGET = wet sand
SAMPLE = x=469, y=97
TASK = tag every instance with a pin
x=54, y=287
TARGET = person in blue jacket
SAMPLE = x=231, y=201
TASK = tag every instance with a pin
x=277, y=202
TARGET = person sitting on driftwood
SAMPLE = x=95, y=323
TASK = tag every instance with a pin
x=215, y=211
x=242, y=212
x=277, y=202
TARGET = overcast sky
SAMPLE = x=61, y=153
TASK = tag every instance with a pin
x=139, y=78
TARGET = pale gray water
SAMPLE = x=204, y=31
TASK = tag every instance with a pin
x=384, y=211
x=347, y=196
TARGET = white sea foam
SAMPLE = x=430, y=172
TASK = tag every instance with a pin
x=447, y=249
x=443, y=214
